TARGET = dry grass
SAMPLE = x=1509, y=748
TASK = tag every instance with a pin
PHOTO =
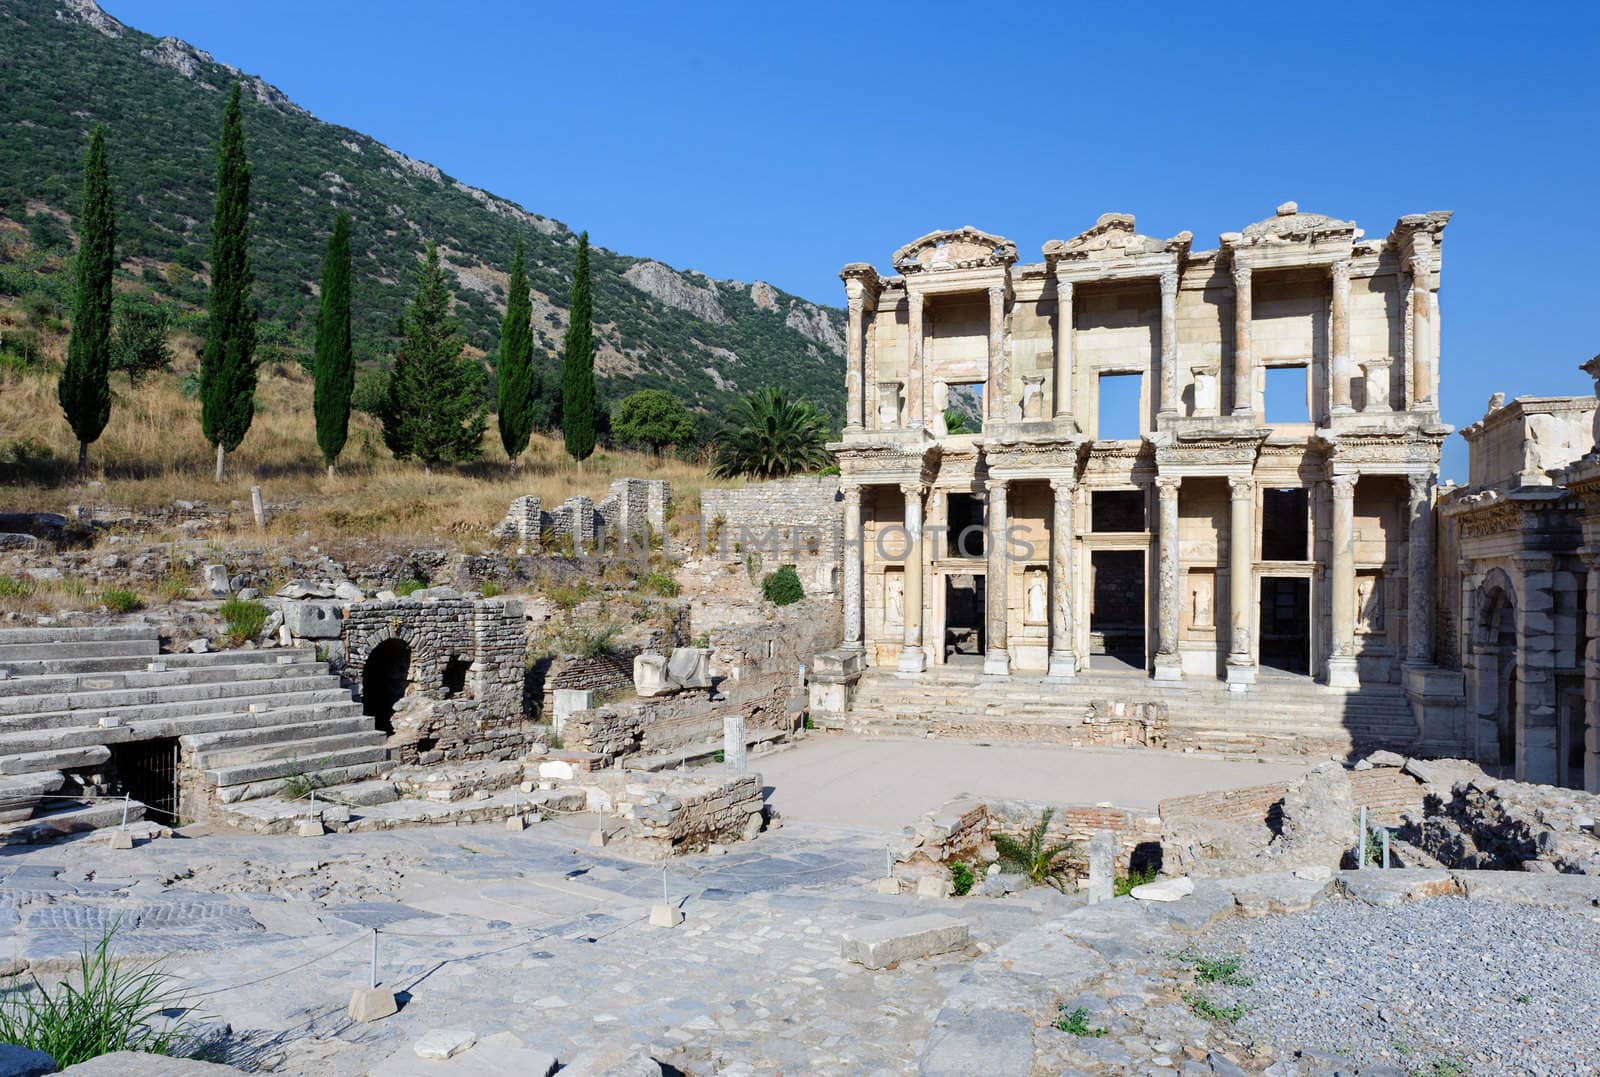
x=153, y=452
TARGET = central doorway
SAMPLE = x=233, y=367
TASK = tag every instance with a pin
x=963, y=617
x=147, y=770
x=1286, y=624
x=1116, y=617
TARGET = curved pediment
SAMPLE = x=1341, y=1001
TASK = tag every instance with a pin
x=1113, y=236
x=957, y=248
x=1290, y=224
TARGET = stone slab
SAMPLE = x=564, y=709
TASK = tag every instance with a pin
x=441, y=1043
x=986, y=1041
x=613, y=1060
x=138, y=1064
x=1526, y=888
x=371, y=1004
x=1396, y=886
x=875, y=946
x=1164, y=889
x=1276, y=892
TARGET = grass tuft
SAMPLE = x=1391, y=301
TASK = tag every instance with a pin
x=245, y=619
x=1075, y=1022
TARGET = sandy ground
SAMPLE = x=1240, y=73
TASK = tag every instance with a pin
x=871, y=781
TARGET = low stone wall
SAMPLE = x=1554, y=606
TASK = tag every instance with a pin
x=428, y=731
x=602, y=673
x=620, y=731
x=632, y=511
x=794, y=518
x=691, y=813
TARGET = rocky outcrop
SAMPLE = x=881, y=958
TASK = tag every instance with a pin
x=670, y=287
x=89, y=13
x=764, y=295
x=814, y=324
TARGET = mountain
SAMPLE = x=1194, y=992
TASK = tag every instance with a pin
x=66, y=65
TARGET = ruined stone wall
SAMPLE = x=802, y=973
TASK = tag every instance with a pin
x=667, y=723
x=631, y=509
x=780, y=645
x=430, y=731
x=486, y=634
x=689, y=817
x=786, y=519
x=601, y=673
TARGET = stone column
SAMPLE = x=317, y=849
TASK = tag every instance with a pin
x=1536, y=718
x=996, y=612
x=997, y=392
x=1591, y=671
x=733, y=742
x=1063, y=633
x=1244, y=373
x=855, y=359
x=1342, y=669
x=1241, y=581
x=1339, y=342
x=1064, y=373
x=1169, y=342
x=853, y=555
x=1168, y=666
x=1419, y=573
x=912, y=660
x=914, y=369
x=1421, y=333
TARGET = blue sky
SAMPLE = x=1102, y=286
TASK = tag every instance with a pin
x=777, y=142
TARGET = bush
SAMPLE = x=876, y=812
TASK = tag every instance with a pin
x=782, y=588
x=113, y=1006
x=490, y=588
x=409, y=587
x=961, y=878
x=661, y=583
x=173, y=588
x=245, y=619
x=1031, y=854
x=121, y=600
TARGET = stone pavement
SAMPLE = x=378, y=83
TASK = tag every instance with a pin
x=532, y=933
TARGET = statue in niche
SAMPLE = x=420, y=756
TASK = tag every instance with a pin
x=1369, y=604
x=1200, y=590
x=1037, y=609
x=888, y=405
x=1033, y=397
x=894, y=598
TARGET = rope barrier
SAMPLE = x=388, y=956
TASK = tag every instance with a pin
x=281, y=972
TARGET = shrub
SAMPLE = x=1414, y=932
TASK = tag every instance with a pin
x=961, y=878
x=661, y=583
x=112, y=1006
x=1125, y=884
x=490, y=589
x=245, y=619
x=409, y=587
x=121, y=600
x=589, y=642
x=782, y=588
x=568, y=595
x=174, y=588
x=1030, y=855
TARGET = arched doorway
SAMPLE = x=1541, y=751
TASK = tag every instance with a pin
x=388, y=673
x=1497, y=672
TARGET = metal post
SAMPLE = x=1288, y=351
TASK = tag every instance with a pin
x=374, y=958
x=665, y=900
x=311, y=813
x=1385, y=833
x=888, y=861
x=1361, y=841
x=124, y=825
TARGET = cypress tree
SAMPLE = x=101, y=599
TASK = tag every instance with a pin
x=335, y=363
x=85, y=386
x=516, y=363
x=435, y=411
x=577, y=363
x=227, y=365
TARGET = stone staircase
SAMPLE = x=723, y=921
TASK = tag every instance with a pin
x=1277, y=716
x=245, y=722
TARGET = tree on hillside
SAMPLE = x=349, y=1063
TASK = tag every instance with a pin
x=577, y=363
x=85, y=386
x=654, y=418
x=334, y=361
x=514, y=374
x=772, y=436
x=435, y=411
x=139, y=344
x=227, y=365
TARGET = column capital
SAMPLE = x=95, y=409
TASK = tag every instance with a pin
x=1241, y=273
x=911, y=489
x=856, y=302
x=1341, y=272
x=1063, y=484
x=1590, y=556
x=1167, y=485
x=997, y=293
x=1169, y=281
x=1343, y=486
x=851, y=487
x=1241, y=487
x=997, y=487
x=1421, y=486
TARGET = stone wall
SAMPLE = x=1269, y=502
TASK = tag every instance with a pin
x=428, y=731
x=787, y=520
x=487, y=634
x=691, y=813
x=601, y=673
x=632, y=510
x=662, y=725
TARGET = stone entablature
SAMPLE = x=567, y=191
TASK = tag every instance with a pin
x=1519, y=443
x=1222, y=560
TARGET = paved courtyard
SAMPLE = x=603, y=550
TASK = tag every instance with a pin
x=879, y=782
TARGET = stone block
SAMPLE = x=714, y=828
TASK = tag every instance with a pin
x=310, y=828
x=1165, y=889
x=665, y=916
x=1395, y=886
x=121, y=839
x=688, y=667
x=556, y=770
x=516, y=823
x=886, y=885
x=371, y=1004
x=613, y=1060
x=216, y=580
x=650, y=676
x=878, y=945
x=442, y=1043
x=934, y=886
x=1103, y=866
x=312, y=620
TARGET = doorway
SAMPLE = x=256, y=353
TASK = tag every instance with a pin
x=1116, y=616
x=147, y=770
x=384, y=683
x=963, y=617
x=1286, y=624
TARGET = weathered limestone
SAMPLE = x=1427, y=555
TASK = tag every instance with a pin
x=912, y=659
x=1342, y=668
x=1102, y=866
x=879, y=945
x=1244, y=374
x=1339, y=331
x=997, y=659
x=852, y=566
x=1168, y=666
x=1241, y=567
x=1063, y=633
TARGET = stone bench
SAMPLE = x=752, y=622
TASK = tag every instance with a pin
x=879, y=945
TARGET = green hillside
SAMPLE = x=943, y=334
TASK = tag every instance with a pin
x=65, y=65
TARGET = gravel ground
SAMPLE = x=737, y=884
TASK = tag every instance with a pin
x=1440, y=987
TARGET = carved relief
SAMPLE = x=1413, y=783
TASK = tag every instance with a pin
x=1036, y=591
x=1202, y=599
x=894, y=598
x=1369, y=603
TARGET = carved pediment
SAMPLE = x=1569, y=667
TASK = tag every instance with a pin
x=1113, y=237
x=958, y=248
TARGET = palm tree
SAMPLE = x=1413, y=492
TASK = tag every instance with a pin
x=772, y=436
x=1031, y=855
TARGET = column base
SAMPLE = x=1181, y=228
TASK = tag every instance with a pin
x=1241, y=675
x=1341, y=409
x=1063, y=666
x=997, y=664
x=912, y=660
x=1169, y=667
x=1343, y=672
